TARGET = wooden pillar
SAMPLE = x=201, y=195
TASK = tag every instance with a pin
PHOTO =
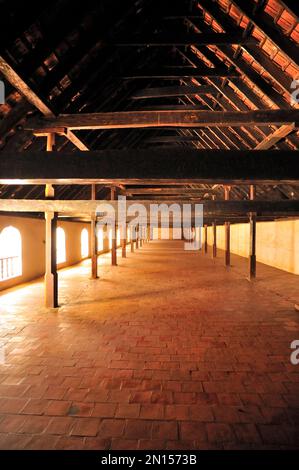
x=252, y=238
x=51, y=277
x=114, y=236
x=206, y=239
x=214, y=225
x=227, y=230
x=148, y=233
x=137, y=236
x=124, y=242
x=140, y=236
x=93, y=239
x=49, y=190
x=132, y=239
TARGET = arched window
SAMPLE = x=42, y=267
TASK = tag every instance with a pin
x=128, y=234
x=60, y=246
x=84, y=243
x=100, y=239
x=10, y=253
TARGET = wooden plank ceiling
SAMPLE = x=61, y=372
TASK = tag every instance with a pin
x=64, y=57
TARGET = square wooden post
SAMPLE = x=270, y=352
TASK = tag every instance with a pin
x=93, y=239
x=49, y=190
x=51, y=277
x=114, y=236
x=132, y=239
x=140, y=236
x=124, y=242
x=206, y=239
x=227, y=230
x=214, y=225
x=137, y=236
x=252, y=238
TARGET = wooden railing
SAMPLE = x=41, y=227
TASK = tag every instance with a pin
x=10, y=267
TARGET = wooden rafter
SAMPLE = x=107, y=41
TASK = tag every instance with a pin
x=178, y=73
x=227, y=23
x=19, y=84
x=185, y=40
x=275, y=137
x=173, y=91
x=263, y=22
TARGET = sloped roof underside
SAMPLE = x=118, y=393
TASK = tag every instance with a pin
x=68, y=54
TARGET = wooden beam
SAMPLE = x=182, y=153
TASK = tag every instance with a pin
x=180, y=72
x=211, y=208
x=228, y=24
x=261, y=21
x=292, y=7
x=19, y=84
x=75, y=140
x=162, y=92
x=185, y=40
x=173, y=118
x=179, y=190
x=181, y=165
x=276, y=136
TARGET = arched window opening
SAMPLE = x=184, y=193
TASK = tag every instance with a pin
x=60, y=246
x=84, y=243
x=10, y=253
x=128, y=234
x=100, y=239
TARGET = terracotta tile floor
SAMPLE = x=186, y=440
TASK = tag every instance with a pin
x=169, y=350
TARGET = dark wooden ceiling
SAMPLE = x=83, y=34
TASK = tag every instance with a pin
x=78, y=57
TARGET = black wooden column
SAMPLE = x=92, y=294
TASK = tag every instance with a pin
x=227, y=230
x=114, y=236
x=137, y=236
x=252, y=238
x=51, y=276
x=132, y=239
x=214, y=226
x=124, y=242
x=206, y=239
x=93, y=239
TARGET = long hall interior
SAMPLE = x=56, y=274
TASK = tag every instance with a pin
x=149, y=225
